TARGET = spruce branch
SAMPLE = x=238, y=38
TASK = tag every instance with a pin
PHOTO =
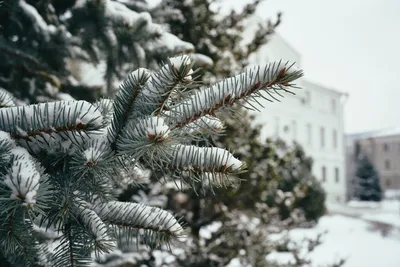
x=204, y=125
x=106, y=108
x=103, y=242
x=163, y=83
x=95, y=159
x=149, y=136
x=72, y=249
x=204, y=159
x=270, y=78
x=60, y=161
x=23, y=177
x=47, y=125
x=17, y=237
x=18, y=55
x=6, y=144
x=125, y=99
x=6, y=99
x=150, y=225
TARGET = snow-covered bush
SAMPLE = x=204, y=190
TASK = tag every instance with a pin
x=61, y=162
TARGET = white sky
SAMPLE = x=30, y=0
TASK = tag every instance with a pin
x=350, y=45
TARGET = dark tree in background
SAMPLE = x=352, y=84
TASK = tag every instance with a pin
x=367, y=180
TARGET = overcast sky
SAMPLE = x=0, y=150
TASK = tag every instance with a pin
x=350, y=45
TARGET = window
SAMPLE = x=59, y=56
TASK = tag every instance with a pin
x=307, y=98
x=388, y=182
x=323, y=174
x=385, y=147
x=285, y=129
x=333, y=105
x=387, y=164
x=322, y=133
x=337, y=175
x=294, y=130
x=309, y=134
x=334, y=139
x=337, y=198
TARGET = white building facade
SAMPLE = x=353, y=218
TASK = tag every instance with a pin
x=313, y=118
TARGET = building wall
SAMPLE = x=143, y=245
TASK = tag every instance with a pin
x=300, y=118
x=386, y=160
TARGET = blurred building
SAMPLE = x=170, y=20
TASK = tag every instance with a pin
x=383, y=149
x=313, y=117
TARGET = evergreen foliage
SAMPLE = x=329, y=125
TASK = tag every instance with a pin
x=62, y=161
x=219, y=37
x=367, y=180
x=277, y=193
x=42, y=45
x=269, y=198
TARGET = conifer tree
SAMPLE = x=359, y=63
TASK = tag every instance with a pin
x=219, y=37
x=42, y=41
x=289, y=204
x=60, y=162
x=367, y=186
x=277, y=193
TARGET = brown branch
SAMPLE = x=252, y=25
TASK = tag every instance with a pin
x=22, y=56
x=80, y=127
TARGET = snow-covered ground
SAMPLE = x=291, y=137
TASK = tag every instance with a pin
x=387, y=211
x=366, y=235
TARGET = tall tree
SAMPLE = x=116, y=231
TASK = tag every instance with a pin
x=367, y=179
x=215, y=35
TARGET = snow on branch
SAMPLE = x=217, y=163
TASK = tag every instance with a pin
x=162, y=83
x=106, y=108
x=206, y=124
x=79, y=151
x=98, y=229
x=47, y=124
x=6, y=99
x=38, y=22
x=165, y=42
x=150, y=225
x=201, y=60
x=95, y=158
x=207, y=166
x=6, y=144
x=204, y=159
x=125, y=99
x=23, y=177
x=273, y=77
x=144, y=136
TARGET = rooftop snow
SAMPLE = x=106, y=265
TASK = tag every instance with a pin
x=391, y=131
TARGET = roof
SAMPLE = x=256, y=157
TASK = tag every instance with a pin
x=391, y=131
x=323, y=87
